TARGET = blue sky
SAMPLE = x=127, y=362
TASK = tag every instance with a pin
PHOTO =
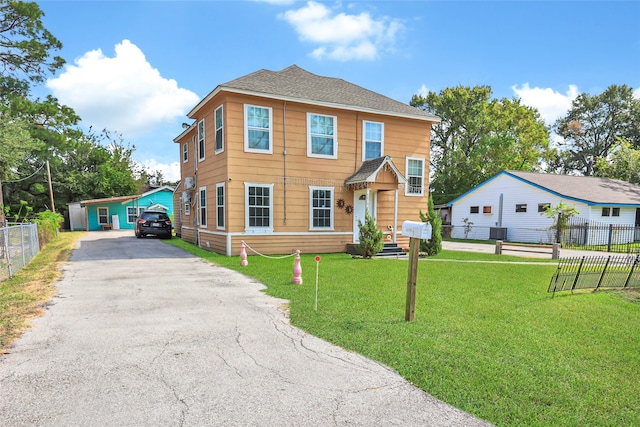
x=137, y=67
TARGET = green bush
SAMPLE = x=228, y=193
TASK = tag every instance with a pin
x=434, y=245
x=370, y=237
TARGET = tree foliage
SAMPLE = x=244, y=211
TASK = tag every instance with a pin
x=432, y=246
x=479, y=137
x=594, y=124
x=84, y=165
x=622, y=163
x=26, y=46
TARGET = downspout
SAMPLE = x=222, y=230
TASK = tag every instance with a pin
x=500, y=210
x=284, y=159
x=195, y=194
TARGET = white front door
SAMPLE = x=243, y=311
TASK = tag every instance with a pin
x=360, y=207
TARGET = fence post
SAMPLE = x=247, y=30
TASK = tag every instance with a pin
x=610, y=238
x=633, y=267
x=604, y=270
x=498, y=247
x=555, y=252
x=575, y=280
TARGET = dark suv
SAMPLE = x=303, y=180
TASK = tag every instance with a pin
x=153, y=222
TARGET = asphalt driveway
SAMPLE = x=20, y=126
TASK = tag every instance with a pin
x=144, y=334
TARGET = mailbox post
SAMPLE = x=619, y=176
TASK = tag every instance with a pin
x=415, y=231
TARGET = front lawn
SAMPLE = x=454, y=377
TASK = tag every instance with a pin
x=487, y=337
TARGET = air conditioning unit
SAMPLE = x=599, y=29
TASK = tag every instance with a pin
x=186, y=197
x=189, y=183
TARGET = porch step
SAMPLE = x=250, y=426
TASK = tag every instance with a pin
x=390, y=249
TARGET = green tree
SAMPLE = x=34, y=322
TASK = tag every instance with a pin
x=26, y=46
x=561, y=214
x=594, y=124
x=479, y=137
x=432, y=246
x=622, y=163
x=370, y=237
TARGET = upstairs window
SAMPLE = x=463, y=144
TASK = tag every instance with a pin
x=321, y=136
x=474, y=209
x=521, y=207
x=257, y=129
x=219, y=130
x=201, y=145
x=486, y=209
x=542, y=207
x=185, y=152
x=415, y=176
x=606, y=211
x=615, y=212
x=373, y=144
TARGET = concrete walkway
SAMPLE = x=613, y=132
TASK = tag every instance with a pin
x=144, y=334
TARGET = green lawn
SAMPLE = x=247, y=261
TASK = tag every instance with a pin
x=487, y=337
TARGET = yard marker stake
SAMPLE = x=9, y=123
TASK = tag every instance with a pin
x=315, y=306
x=243, y=255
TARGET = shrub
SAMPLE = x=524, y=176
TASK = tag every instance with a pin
x=370, y=237
x=434, y=245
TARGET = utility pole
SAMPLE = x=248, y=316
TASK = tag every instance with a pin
x=53, y=206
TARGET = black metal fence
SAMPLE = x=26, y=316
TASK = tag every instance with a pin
x=579, y=234
x=596, y=272
x=591, y=235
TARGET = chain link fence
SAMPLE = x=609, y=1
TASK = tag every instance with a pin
x=19, y=243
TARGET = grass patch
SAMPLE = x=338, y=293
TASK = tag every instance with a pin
x=24, y=296
x=487, y=337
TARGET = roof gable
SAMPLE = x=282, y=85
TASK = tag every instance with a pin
x=369, y=171
x=295, y=84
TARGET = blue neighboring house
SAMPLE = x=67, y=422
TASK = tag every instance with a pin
x=120, y=213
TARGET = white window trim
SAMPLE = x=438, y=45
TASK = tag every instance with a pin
x=224, y=210
x=98, y=214
x=406, y=169
x=137, y=212
x=335, y=137
x=247, y=228
x=185, y=152
x=201, y=153
x=331, y=208
x=215, y=131
x=246, y=131
x=200, y=207
x=364, y=139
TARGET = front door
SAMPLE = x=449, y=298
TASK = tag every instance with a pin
x=360, y=207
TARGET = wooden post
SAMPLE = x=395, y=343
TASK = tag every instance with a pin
x=53, y=205
x=555, y=252
x=414, y=246
x=498, y=247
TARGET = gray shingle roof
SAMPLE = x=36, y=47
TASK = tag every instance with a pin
x=369, y=170
x=586, y=188
x=294, y=83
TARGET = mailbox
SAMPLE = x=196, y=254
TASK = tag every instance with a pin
x=417, y=230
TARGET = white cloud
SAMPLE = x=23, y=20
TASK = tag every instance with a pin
x=170, y=171
x=123, y=93
x=636, y=93
x=423, y=91
x=342, y=37
x=551, y=104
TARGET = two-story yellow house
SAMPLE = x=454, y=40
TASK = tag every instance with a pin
x=288, y=160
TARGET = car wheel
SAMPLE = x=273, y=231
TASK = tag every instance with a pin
x=139, y=236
